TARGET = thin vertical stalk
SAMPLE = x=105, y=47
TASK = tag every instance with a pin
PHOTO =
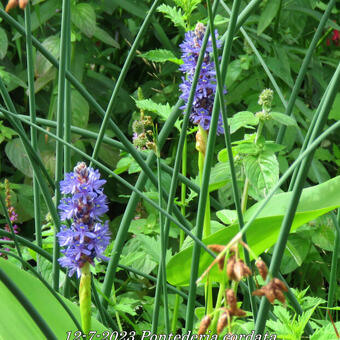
x=34, y=314
x=121, y=78
x=60, y=119
x=34, y=140
x=67, y=112
x=181, y=233
x=238, y=203
x=333, y=275
x=207, y=168
x=301, y=177
x=161, y=282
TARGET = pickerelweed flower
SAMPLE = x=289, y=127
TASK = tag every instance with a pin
x=206, y=86
x=87, y=237
x=12, y=215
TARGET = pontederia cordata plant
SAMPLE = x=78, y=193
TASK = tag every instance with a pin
x=215, y=137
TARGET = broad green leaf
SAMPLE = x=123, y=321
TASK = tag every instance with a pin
x=268, y=14
x=105, y=37
x=16, y=322
x=134, y=7
x=247, y=148
x=3, y=43
x=80, y=109
x=161, y=56
x=335, y=111
x=175, y=15
x=272, y=147
x=263, y=233
x=42, y=65
x=227, y=216
x=262, y=172
x=219, y=176
x=17, y=155
x=11, y=80
x=243, y=119
x=84, y=18
x=283, y=119
x=296, y=251
x=234, y=71
x=276, y=67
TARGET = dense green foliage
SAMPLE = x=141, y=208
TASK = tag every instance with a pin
x=155, y=266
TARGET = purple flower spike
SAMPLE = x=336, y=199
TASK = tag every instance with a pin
x=206, y=86
x=87, y=238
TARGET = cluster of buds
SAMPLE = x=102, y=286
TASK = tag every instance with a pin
x=14, y=3
x=11, y=212
x=229, y=312
x=143, y=134
x=236, y=268
x=265, y=100
x=226, y=316
x=273, y=290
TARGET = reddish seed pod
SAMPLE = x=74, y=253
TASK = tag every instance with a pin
x=230, y=268
x=23, y=4
x=262, y=267
x=231, y=299
x=222, y=322
x=205, y=323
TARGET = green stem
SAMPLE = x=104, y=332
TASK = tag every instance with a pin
x=246, y=182
x=333, y=275
x=181, y=232
x=60, y=133
x=85, y=297
x=217, y=307
x=34, y=140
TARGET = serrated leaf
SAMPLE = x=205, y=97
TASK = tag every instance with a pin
x=246, y=148
x=162, y=110
x=262, y=172
x=243, y=119
x=175, y=15
x=3, y=43
x=268, y=14
x=283, y=119
x=161, y=56
x=84, y=18
x=272, y=147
